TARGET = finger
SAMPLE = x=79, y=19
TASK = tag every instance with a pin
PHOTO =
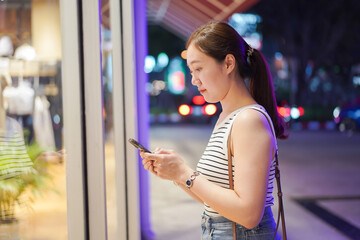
x=154, y=156
x=144, y=161
x=164, y=151
x=157, y=150
x=145, y=154
x=142, y=154
x=151, y=169
x=148, y=166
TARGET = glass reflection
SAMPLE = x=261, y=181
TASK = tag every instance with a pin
x=32, y=163
x=106, y=47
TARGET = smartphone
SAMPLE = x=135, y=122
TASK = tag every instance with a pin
x=138, y=145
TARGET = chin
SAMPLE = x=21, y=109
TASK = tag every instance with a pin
x=210, y=100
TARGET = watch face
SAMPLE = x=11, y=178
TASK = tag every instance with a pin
x=188, y=183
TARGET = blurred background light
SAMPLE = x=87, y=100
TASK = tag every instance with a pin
x=162, y=60
x=183, y=54
x=184, y=109
x=198, y=100
x=155, y=88
x=356, y=80
x=301, y=111
x=295, y=113
x=246, y=25
x=159, y=84
x=174, y=118
x=56, y=119
x=177, y=83
x=176, y=76
x=254, y=40
x=149, y=64
x=197, y=111
x=209, y=109
x=357, y=114
x=284, y=111
x=336, y=112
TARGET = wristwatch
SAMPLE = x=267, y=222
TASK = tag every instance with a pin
x=190, y=181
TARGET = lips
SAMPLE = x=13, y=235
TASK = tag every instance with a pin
x=201, y=90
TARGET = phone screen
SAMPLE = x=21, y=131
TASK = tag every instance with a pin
x=138, y=145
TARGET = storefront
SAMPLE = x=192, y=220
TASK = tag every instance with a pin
x=72, y=85
x=72, y=93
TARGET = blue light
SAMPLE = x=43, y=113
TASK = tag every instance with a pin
x=162, y=60
x=295, y=113
x=56, y=119
x=356, y=80
x=336, y=112
x=357, y=114
x=278, y=56
x=244, y=23
x=314, y=84
x=149, y=64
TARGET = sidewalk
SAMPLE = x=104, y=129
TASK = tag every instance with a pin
x=318, y=170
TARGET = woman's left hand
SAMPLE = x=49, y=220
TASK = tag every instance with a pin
x=166, y=164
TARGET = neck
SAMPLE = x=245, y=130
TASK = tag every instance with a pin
x=238, y=96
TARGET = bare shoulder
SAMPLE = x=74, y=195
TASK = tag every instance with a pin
x=251, y=120
x=252, y=135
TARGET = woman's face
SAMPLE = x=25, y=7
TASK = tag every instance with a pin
x=208, y=75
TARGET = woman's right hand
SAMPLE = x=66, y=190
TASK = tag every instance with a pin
x=166, y=164
x=148, y=164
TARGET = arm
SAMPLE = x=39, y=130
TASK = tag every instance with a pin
x=149, y=165
x=190, y=193
x=253, y=145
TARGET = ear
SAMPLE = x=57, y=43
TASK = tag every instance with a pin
x=230, y=63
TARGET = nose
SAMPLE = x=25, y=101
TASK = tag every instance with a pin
x=195, y=80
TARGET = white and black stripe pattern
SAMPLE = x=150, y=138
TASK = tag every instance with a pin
x=213, y=164
x=14, y=159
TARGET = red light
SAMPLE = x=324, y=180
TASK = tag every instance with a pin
x=301, y=111
x=209, y=109
x=184, y=110
x=198, y=100
x=176, y=83
x=281, y=111
x=288, y=112
x=284, y=111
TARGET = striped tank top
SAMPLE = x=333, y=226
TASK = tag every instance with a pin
x=213, y=164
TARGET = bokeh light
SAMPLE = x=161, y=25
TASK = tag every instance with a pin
x=210, y=109
x=184, y=110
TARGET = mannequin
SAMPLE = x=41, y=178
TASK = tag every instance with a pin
x=14, y=159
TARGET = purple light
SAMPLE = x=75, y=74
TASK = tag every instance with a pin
x=141, y=50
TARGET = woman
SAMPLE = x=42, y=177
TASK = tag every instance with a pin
x=221, y=63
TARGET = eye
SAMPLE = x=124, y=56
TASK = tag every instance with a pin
x=197, y=70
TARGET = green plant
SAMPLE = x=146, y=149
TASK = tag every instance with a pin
x=33, y=182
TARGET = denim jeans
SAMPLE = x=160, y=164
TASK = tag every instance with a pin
x=220, y=228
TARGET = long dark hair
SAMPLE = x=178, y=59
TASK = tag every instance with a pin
x=217, y=39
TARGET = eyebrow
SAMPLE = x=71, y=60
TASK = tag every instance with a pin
x=192, y=62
